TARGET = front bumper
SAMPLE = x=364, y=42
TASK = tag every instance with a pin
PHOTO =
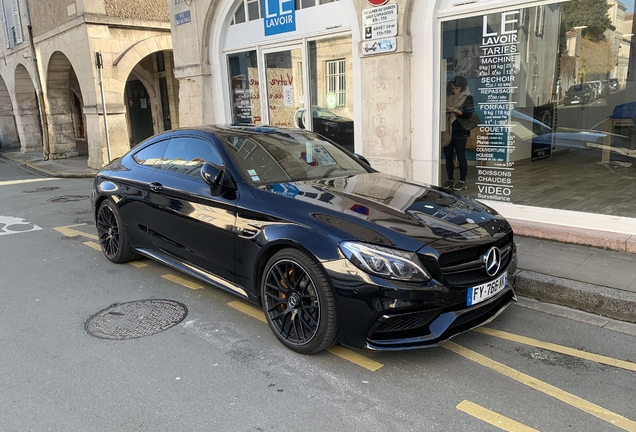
x=380, y=314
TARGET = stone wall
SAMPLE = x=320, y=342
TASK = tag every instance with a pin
x=147, y=10
x=47, y=15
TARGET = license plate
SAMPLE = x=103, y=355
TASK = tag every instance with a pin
x=483, y=292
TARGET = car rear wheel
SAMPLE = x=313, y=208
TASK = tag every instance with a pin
x=112, y=234
x=298, y=302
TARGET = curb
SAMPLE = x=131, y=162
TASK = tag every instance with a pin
x=45, y=171
x=599, y=300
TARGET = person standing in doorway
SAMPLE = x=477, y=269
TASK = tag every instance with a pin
x=459, y=104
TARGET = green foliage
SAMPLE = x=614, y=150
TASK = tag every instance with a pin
x=590, y=13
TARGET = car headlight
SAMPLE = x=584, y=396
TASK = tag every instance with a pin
x=385, y=262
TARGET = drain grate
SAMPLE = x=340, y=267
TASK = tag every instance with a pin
x=136, y=319
x=42, y=189
x=67, y=198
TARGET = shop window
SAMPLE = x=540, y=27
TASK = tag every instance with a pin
x=254, y=7
x=551, y=87
x=244, y=85
x=337, y=80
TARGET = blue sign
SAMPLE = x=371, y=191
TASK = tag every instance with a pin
x=182, y=18
x=279, y=16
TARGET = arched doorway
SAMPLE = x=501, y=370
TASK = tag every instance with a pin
x=64, y=109
x=8, y=133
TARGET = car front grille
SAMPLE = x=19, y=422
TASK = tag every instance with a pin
x=464, y=268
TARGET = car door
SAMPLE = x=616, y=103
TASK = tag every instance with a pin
x=185, y=220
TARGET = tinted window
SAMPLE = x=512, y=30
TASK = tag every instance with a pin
x=282, y=157
x=151, y=155
x=185, y=155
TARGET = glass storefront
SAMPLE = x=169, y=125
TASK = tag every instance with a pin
x=552, y=87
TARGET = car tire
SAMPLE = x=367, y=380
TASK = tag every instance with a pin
x=112, y=234
x=298, y=302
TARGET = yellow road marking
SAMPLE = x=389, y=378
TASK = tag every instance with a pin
x=138, y=264
x=492, y=417
x=545, y=388
x=558, y=348
x=93, y=245
x=249, y=310
x=354, y=357
x=69, y=232
x=338, y=350
x=183, y=282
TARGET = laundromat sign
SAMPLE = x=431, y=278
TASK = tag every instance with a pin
x=279, y=16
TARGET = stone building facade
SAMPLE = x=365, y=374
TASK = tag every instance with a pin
x=50, y=83
x=542, y=151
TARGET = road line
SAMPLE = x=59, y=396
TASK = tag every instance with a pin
x=69, y=232
x=93, y=245
x=354, y=357
x=15, y=182
x=492, y=417
x=338, y=350
x=558, y=348
x=535, y=384
x=181, y=281
x=249, y=310
x=138, y=264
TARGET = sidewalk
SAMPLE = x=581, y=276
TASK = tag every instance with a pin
x=589, y=276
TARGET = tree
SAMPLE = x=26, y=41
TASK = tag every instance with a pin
x=590, y=13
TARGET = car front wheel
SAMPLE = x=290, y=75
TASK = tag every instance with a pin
x=112, y=234
x=298, y=302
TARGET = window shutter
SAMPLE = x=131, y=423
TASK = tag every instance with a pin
x=17, y=23
x=5, y=30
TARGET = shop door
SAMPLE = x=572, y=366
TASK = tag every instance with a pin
x=284, y=87
x=139, y=112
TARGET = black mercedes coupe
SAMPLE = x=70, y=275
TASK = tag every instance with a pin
x=332, y=250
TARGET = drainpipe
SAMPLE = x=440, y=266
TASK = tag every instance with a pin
x=38, y=84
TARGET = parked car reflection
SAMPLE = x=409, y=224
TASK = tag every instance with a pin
x=328, y=124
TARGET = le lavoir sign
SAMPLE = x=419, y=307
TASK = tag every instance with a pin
x=279, y=16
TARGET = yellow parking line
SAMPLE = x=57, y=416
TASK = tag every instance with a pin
x=558, y=348
x=138, y=264
x=535, y=384
x=338, y=350
x=249, y=310
x=492, y=417
x=69, y=232
x=354, y=357
x=93, y=245
x=183, y=282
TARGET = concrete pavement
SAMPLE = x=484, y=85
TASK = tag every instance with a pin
x=597, y=275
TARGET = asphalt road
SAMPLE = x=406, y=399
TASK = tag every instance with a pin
x=221, y=369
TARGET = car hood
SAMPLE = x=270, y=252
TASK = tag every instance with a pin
x=384, y=209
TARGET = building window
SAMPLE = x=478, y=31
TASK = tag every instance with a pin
x=254, y=7
x=11, y=25
x=337, y=79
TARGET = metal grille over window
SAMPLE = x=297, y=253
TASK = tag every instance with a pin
x=337, y=80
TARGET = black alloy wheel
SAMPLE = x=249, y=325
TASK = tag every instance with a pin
x=112, y=234
x=298, y=302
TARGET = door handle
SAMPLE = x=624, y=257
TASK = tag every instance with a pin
x=156, y=186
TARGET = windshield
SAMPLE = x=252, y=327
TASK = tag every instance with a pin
x=318, y=112
x=279, y=157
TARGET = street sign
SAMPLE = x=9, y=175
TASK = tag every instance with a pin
x=380, y=22
x=379, y=15
x=377, y=2
x=379, y=46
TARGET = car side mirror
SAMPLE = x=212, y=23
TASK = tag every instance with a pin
x=362, y=158
x=212, y=174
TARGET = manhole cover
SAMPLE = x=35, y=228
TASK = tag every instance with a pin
x=136, y=319
x=67, y=198
x=42, y=189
